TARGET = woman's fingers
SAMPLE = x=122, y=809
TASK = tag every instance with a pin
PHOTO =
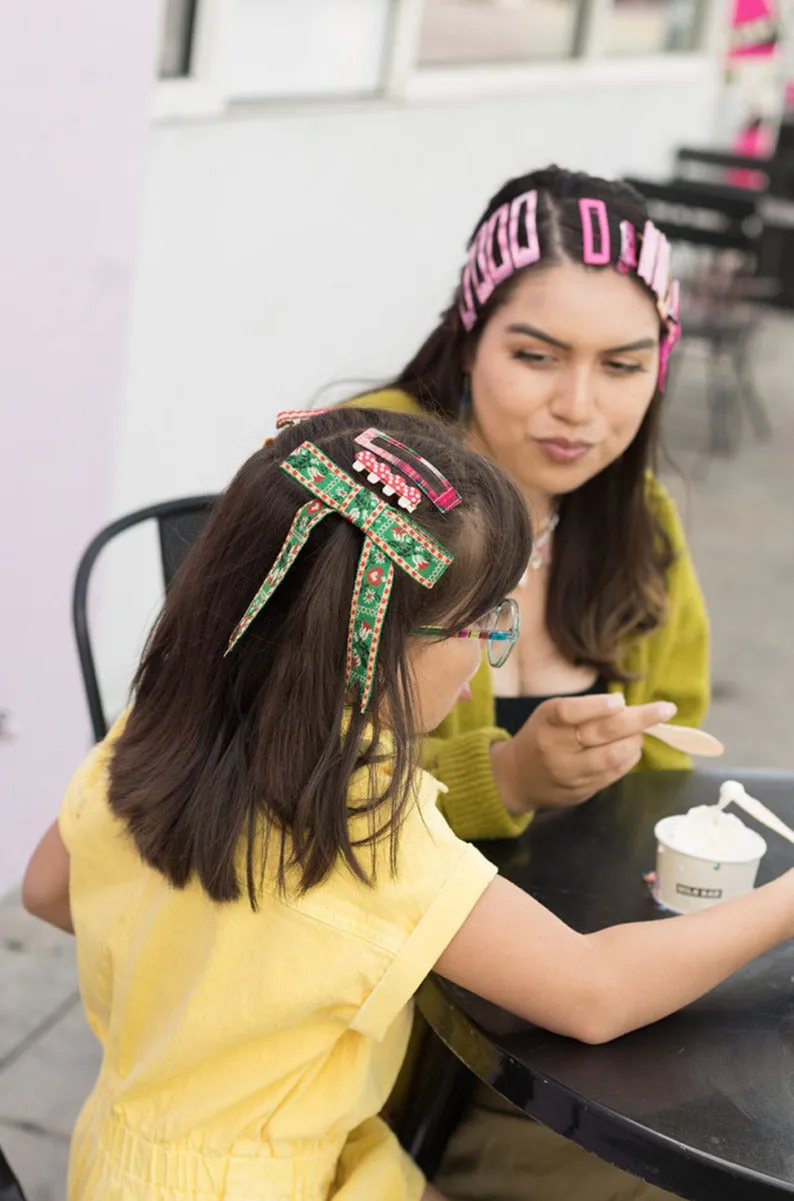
x=571, y=747
x=602, y=765
x=573, y=711
x=633, y=720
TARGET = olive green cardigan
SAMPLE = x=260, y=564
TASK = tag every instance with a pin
x=671, y=664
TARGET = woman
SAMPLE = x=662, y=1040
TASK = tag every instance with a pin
x=552, y=357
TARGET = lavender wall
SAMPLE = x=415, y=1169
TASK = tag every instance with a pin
x=75, y=85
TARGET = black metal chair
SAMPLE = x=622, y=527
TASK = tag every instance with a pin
x=179, y=524
x=10, y=1188
x=772, y=179
x=722, y=291
x=719, y=166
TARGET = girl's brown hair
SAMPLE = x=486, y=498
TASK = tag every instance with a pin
x=242, y=757
x=611, y=552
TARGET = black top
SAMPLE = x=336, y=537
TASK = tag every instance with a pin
x=701, y=1103
x=513, y=711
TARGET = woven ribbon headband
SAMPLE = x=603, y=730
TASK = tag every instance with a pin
x=390, y=539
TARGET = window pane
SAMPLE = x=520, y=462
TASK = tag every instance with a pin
x=305, y=47
x=456, y=32
x=652, y=26
x=177, y=38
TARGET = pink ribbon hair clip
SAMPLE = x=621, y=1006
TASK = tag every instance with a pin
x=382, y=451
x=393, y=484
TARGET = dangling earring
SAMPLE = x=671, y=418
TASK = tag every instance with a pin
x=464, y=408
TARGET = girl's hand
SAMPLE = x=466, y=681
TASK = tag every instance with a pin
x=572, y=747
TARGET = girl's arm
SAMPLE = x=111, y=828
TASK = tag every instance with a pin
x=596, y=987
x=45, y=889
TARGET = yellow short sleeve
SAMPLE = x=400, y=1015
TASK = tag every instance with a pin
x=438, y=881
x=90, y=774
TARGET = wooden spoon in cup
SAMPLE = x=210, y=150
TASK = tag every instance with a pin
x=732, y=790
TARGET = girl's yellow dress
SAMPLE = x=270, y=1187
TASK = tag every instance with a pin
x=246, y=1055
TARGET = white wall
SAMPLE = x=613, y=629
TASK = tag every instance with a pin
x=74, y=98
x=282, y=251
x=285, y=250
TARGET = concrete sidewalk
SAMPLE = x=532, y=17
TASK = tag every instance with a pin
x=740, y=518
x=48, y=1056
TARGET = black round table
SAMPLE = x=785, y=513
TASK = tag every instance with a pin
x=701, y=1104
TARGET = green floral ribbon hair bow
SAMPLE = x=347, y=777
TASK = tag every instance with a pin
x=390, y=539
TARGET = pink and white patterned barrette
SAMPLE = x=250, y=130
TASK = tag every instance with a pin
x=393, y=485
x=296, y=416
x=428, y=479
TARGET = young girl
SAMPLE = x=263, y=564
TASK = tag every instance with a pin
x=255, y=868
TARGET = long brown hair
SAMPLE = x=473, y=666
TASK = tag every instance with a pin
x=611, y=553
x=257, y=750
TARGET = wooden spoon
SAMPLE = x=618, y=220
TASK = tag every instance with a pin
x=687, y=739
x=732, y=790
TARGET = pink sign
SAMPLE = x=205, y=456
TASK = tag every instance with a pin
x=754, y=29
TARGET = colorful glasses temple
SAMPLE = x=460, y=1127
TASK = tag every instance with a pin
x=486, y=635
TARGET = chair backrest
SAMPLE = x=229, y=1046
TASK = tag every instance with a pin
x=179, y=523
x=722, y=166
x=702, y=214
x=10, y=1188
x=781, y=164
x=773, y=173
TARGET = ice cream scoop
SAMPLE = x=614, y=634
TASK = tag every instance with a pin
x=709, y=832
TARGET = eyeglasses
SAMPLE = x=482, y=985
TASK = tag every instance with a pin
x=500, y=628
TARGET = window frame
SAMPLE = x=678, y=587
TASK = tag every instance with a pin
x=589, y=61
x=201, y=93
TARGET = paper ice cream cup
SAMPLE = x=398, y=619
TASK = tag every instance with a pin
x=687, y=883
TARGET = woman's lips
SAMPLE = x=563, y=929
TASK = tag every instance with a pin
x=560, y=450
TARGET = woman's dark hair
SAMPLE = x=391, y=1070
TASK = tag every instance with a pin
x=224, y=761
x=611, y=553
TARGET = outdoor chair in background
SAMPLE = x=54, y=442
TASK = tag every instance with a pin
x=179, y=523
x=715, y=230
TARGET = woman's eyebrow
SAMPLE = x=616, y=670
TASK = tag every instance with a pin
x=530, y=331
x=640, y=344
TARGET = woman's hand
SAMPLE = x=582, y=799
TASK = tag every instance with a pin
x=572, y=747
